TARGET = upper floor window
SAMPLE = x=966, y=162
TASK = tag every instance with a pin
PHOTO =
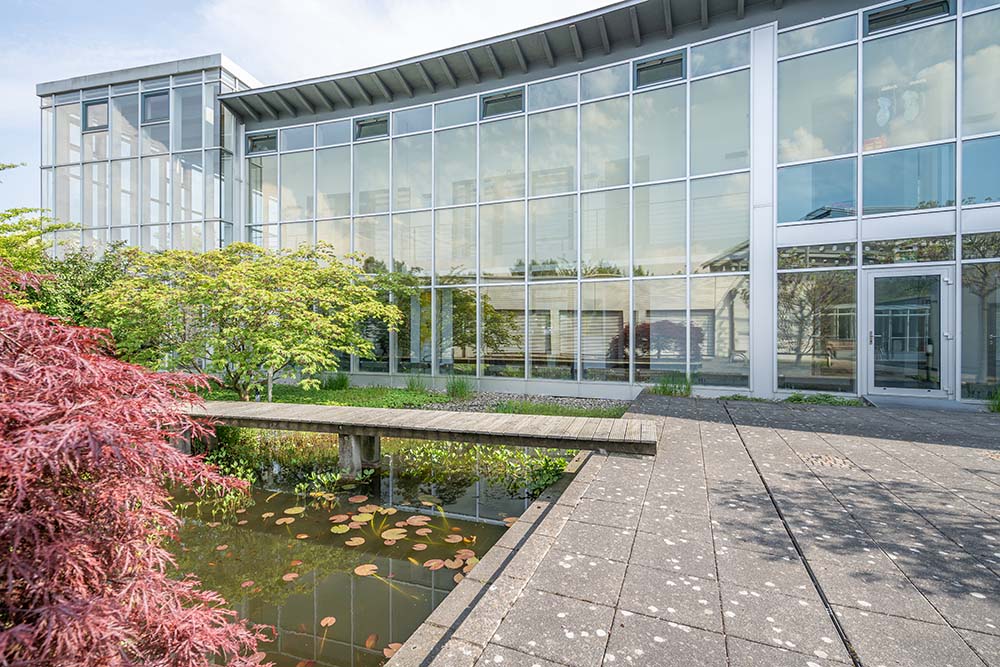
x=368, y=128
x=262, y=143
x=155, y=107
x=905, y=13
x=95, y=115
x=498, y=104
x=659, y=70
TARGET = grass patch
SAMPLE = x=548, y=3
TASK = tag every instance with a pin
x=337, y=382
x=459, y=388
x=824, y=399
x=743, y=397
x=362, y=397
x=557, y=409
x=993, y=404
x=672, y=384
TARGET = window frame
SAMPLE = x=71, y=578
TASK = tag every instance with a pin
x=144, y=120
x=84, y=125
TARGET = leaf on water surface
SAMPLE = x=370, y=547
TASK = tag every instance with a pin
x=366, y=570
x=458, y=577
x=241, y=511
x=371, y=641
x=391, y=649
x=213, y=524
x=357, y=499
x=339, y=518
x=327, y=621
x=510, y=521
x=387, y=511
x=464, y=554
x=295, y=563
x=418, y=520
x=369, y=509
x=401, y=524
x=291, y=576
x=428, y=499
x=452, y=539
x=355, y=525
x=355, y=542
x=302, y=536
x=305, y=663
x=362, y=518
x=434, y=564
x=419, y=547
x=267, y=515
x=389, y=543
x=339, y=529
x=453, y=563
x=394, y=534
x=222, y=547
x=284, y=521
x=247, y=584
x=242, y=522
x=423, y=531
x=295, y=510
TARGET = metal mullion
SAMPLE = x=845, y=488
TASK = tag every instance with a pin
x=907, y=28
x=863, y=357
x=578, y=220
x=631, y=237
x=819, y=160
x=925, y=144
x=687, y=227
x=820, y=49
x=956, y=291
x=714, y=174
x=853, y=267
x=721, y=72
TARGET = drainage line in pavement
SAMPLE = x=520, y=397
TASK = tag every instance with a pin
x=798, y=549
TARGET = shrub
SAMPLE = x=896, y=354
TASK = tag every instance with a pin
x=416, y=383
x=336, y=382
x=459, y=388
x=994, y=401
x=673, y=383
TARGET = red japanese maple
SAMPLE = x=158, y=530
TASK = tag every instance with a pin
x=85, y=467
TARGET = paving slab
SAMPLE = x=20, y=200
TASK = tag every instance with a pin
x=641, y=640
x=609, y=542
x=672, y=597
x=579, y=576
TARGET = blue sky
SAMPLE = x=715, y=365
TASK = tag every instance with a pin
x=274, y=40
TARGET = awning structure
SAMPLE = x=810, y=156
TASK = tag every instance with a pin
x=601, y=31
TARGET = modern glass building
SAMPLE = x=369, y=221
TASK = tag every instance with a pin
x=760, y=197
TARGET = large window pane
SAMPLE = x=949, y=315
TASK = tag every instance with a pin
x=981, y=171
x=817, y=36
x=456, y=112
x=818, y=105
x=95, y=195
x=552, y=331
x=660, y=219
x=156, y=172
x=917, y=178
x=68, y=200
x=377, y=333
x=297, y=186
x=189, y=187
x=898, y=251
x=980, y=330
x=720, y=123
x=125, y=192
x=155, y=139
x=95, y=146
x=604, y=330
x=456, y=331
x=413, y=340
x=502, y=337
x=660, y=328
x=501, y=241
x=188, y=236
x=219, y=186
x=187, y=118
x=552, y=151
x=335, y=232
x=125, y=126
x=371, y=238
x=604, y=233
x=501, y=159
x=411, y=172
x=455, y=166
x=720, y=55
x=155, y=238
x=333, y=182
x=68, y=133
x=210, y=117
x=720, y=331
x=412, y=120
x=720, y=224
x=817, y=191
x=604, y=143
x=455, y=245
x=819, y=256
x=554, y=93
x=262, y=190
x=411, y=244
x=816, y=331
x=552, y=237
x=909, y=87
x=659, y=148
x=371, y=177
x=604, y=82
x=295, y=234
x=981, y=74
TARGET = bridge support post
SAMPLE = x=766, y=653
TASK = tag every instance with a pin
x=358, y=451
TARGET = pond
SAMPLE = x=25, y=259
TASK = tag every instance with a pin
x=346, y=570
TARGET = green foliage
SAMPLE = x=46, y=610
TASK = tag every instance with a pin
x=994, y=401
x=673, y=383
x=744, y=398
x=79, y=275
x=416, y=383
x=362, y=397
x=336, y=382
x=459, y=388
x=525, y=407
x=244, y=313
x=824, y=399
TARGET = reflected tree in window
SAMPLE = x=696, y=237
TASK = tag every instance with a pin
x=980, y=329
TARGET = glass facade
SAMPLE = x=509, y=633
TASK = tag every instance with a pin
x=597, y=226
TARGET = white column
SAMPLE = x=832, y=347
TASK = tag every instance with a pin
x=762, y=235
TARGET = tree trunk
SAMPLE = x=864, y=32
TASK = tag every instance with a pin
x=270, y=385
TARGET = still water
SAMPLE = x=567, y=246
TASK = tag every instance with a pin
x=347, y=576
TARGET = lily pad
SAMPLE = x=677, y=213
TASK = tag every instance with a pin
x=453, y=563
x=434, y=564
x=389, y=543
x=418, y=520
x=458, y=577
x=339, y=529
x=394, y=534
x=357, y=499
x=327, y=621
x=419, y=546
x=453, y=538
x=295, y=563
x=222, y=547
x=295, y=510
x=369, y=509
x=510, y=521
x=267, y=515
x=387, y=511
x=464, y=554
x=242, y=522
x=339, y=518
x=366, y=570
x=371, y=641
x=302, y=536
x=423, y=531
x=355, y=541
x=284, y=521
x=291, y=576
x=362, y=518
x=247, y=584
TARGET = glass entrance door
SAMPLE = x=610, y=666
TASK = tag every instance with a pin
x=907, y=343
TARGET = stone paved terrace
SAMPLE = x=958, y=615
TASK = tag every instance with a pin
x=761, y=535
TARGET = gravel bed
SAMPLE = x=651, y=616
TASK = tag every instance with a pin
x=488, y=401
